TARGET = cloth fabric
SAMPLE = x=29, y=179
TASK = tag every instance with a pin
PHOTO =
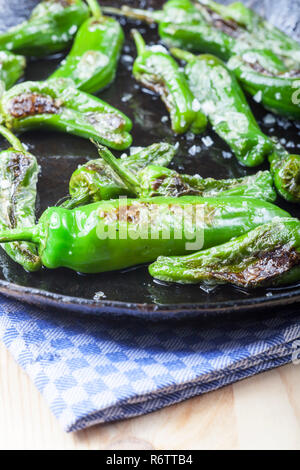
x=93, y=370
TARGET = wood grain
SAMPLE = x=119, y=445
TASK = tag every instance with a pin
x=262, y=412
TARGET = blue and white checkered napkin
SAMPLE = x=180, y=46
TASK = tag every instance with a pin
x=97, y=370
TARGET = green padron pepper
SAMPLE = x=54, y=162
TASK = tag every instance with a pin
x=154, y=180
x=285, y=169
x=111, y=235
x=183, y=25
x=50, y=28
x=209, y=27
x=93, y=60
x=56, y=104
x=267, y=255
x=96, y=181
x=264, y=76
x=11, y=68
x=251, y=31
x=18, y=175
x=223, y=101
x=157, y=70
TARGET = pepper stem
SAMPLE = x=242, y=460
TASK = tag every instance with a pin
x=74, y=201
x=14, y=141
x=182, y=55
x=24, y=234
x=135, y=13
x=139, y=41
x=126, y=176
x=95, y=8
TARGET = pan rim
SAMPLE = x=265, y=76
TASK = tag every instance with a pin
x=45, y=298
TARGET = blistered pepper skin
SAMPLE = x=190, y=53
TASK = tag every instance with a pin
x=209, y=27
x=251, y=31
x=18, y=190
x=50, y=28
x=93, y=60
x=226, y=107
x=158, y=181
x=263, y=76
x=267, y=255
x=285, y=169
x=96, y=181
x=58, y=105
x=154, y=181
x=11, y=68
x=113, y=235
x=159, y=72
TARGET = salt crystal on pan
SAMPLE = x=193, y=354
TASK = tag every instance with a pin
x=126, y=97
x=127, y=58
x=99, y=295
x=227, y=154
x=269, y=120
x=208, y=142
x=290, y=144
x=193, y=150
x=190, y=136
x=282, y=122
x=258, y=96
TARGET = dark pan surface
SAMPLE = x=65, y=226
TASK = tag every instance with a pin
x=132, y=291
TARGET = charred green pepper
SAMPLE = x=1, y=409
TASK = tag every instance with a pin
x=154, y=180
x=56, y=104
x=252, y=31
x=285, y=169
x=18, y=176
x=268, y=255
x=213, y=28
x=116, y=234
x=96, y=181
x=265, y=77
x=225, y=104
x=93, y=60
x=50, y=28
x=11, y=68
x=183, y=25
x=159, y=72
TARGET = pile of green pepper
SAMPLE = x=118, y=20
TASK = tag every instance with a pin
x=230, y=33
x=234, y=231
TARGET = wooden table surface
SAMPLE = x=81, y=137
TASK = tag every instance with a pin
x=262, y=412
